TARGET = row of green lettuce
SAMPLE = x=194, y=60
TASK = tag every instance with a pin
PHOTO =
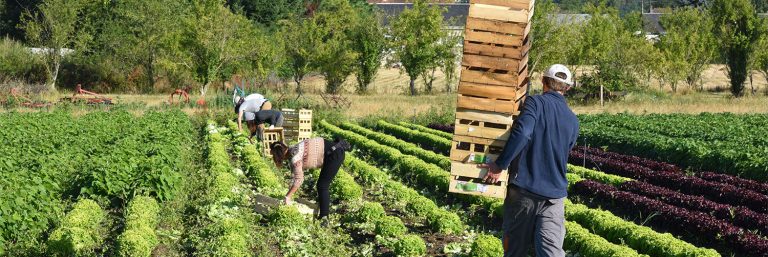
x=648, y=237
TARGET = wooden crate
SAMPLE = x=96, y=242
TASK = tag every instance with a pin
x=492, y=98
x=464, y=174
x=482, y=124
x=516, y=4
x=297, y=124
x=491, y=78
x=507, y=11
x=271, y=136
x=463, y=147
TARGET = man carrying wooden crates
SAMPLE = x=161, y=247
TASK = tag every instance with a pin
x=537, y=155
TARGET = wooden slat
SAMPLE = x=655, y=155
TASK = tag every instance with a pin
x=512, y=52
x=517, y=4
x=501, y=13
x=472, y=171
x=494, y=117
x=493, y=190
x=480, y=131
x=490, y=78
x=495, y=92
x=477, y=140
x=475, y=129
x=463, y=155
x=496, y=63
x=497, y=26
x=494, y=38
x=486, y=104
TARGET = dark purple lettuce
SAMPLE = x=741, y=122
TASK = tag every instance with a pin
x=720, y=233
x=691, y=185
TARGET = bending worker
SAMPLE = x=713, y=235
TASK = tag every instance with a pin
x=310, y=154
x=538, y=148
x=255, y=109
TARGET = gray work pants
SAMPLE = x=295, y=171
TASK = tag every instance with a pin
x=529, y=218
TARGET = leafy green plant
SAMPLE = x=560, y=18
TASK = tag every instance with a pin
x=80, y=232
x=139, y=237
x=410, y=245
x=389, y=226
x=486, y=246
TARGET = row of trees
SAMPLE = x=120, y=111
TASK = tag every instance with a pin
x=137, y=44
x=722, y=31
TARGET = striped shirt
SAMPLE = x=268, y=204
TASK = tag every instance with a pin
x=307, y=154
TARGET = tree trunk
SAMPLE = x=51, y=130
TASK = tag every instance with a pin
x=413, y=86
x=54, y=76
x=297, y=79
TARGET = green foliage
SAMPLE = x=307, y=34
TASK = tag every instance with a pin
x=80, y=232
x=286, y=216
x=421, y=128
x=396, y=195
x=389, y=226
x=400, y=145
x=17, y=63
x=334, y=23
x=486, y=246
x=732, y=144
x=368, y=41
x=737, y=29
x=138, y=241
x=579, y=239
x=416, y=35
x=640, y=238
x=268, y=12
x=688, y=46
x=261, y=175
x=225, y=231
x=426, y=140
x=445, y=222
x=622, y=58
x=410, y=245
x=216, y=41
x=57, y=156
x=300, y=41
x=760, y=61
x=369, y=212
x=55, y=26
x=552, y=37
x=427, y=175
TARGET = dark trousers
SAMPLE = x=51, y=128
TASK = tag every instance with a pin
x=531, y=219
x=331, y=165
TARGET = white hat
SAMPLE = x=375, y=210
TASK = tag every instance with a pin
x=235, y=98
x=559, y=68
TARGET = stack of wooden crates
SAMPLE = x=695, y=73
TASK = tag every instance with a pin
x=493, y=85
x=297, y=126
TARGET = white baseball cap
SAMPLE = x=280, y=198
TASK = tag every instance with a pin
x=559, y=68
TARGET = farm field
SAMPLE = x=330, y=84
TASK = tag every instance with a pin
x=167, y=183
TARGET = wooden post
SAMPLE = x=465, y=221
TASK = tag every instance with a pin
x=602, y=103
